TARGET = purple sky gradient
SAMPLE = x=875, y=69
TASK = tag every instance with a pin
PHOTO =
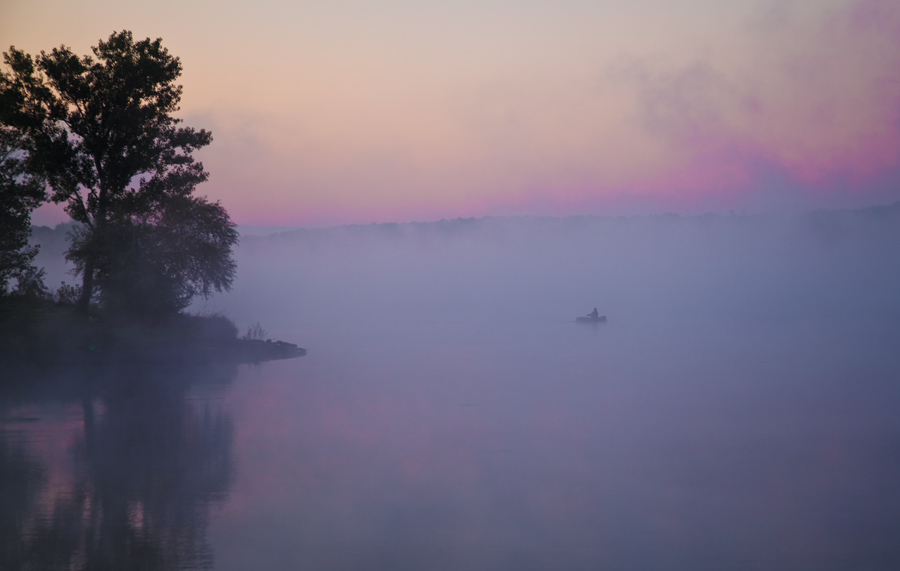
x=351, y=112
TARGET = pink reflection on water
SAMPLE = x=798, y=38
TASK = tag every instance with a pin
x=458, y=456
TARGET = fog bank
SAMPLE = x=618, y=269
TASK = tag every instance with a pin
x=824, y=263
x=552, y=269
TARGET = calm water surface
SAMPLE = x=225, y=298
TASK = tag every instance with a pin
x=636, y=444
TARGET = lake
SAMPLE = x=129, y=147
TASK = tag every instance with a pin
x=446, y=417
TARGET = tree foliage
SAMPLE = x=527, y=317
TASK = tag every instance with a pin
x=188, y=240
x=20, y=194
x=100, y=131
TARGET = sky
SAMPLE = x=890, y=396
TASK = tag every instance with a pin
x=354, y=111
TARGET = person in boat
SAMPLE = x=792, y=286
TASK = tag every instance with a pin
x=594, y=314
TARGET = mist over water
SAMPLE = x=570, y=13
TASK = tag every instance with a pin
x=736, y=411
x=548, y=269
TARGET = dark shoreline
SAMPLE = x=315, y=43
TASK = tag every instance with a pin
x=38, y=334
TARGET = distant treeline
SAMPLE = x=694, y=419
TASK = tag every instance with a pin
x=830, y=224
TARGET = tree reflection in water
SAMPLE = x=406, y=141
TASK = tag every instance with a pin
x=149, y=463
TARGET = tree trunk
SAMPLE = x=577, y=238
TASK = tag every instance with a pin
x=87, y=286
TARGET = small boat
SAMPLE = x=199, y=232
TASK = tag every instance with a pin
x=588, y=319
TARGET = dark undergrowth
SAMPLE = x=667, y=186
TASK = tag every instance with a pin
x=43, y=333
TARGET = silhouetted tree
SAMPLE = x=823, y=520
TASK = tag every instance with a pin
x=159, y=252
x=100, y=130
x=19, y=195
